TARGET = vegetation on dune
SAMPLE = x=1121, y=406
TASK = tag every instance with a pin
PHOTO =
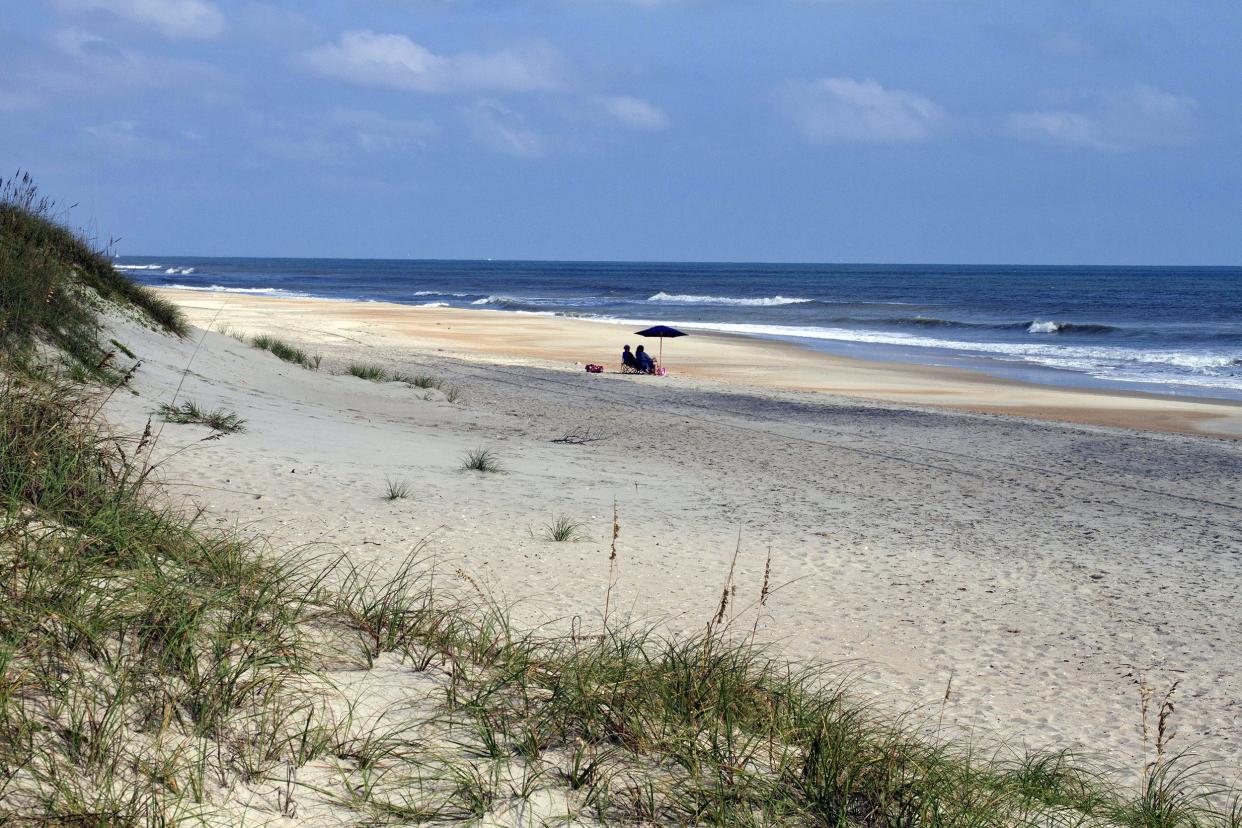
x=216, y=419
x=481, y=459
x=427, y=382
x=367, y=371
x=563, y=529
x=53, y=280
x=396, y=489
x=283, y=350
x=154, y=672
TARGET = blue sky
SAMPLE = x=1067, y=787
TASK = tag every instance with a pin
x=1056, y=131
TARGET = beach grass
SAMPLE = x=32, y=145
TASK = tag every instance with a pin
x=368, y=371
x=424, y=381
x=191, y=412
x=54, y=282
x=396, y=489
x=481, y=459
x=563, y=528
x=378, y=373
x=283, y=350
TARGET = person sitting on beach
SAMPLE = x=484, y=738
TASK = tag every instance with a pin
x=628, y=360
x=645, y=363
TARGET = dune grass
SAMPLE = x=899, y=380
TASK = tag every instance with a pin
x=424, y=381
x=283, y=350
x=378, y=373
x=368, y=371
x=481, y=459
x=396, y=489
x=53, y=283
x=564, y=529
x=191, y=412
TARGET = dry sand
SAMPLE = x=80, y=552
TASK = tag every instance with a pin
x=1046, y=566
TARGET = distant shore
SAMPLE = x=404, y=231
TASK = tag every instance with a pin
x=703, y=358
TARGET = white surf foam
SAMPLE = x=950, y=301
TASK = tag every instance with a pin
x=691, y=299
x=1204, y=369
x=222, y=289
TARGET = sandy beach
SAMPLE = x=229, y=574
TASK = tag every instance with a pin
x=717, y=360
x=1046, y=550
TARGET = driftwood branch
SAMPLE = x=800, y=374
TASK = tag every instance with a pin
x=583, y=437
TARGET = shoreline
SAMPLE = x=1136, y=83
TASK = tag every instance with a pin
x=703, y=358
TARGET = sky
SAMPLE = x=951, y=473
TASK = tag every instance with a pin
x=951, y=131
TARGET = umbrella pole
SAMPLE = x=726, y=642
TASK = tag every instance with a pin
x=661, y=352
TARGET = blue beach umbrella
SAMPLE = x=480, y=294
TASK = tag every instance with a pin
x=663, y=332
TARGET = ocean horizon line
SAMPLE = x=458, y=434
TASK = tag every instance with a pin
x=713, y=262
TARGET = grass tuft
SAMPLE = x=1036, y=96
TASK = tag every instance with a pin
x=368, y=371
x=283, y=350
x=481, y=459
x=425, y=381
x=191, y=412
x=563, y=528
x=396, y=489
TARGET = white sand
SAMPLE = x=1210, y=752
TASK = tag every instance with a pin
x=1045, y=566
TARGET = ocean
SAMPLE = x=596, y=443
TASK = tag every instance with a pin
x=1171, y=330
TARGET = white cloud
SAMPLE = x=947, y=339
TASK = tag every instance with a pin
x=74, y=63
x=278, y=25
x=132, y=138
x=634, y=113
x=175, y=18
x=374, y=132
x=498, y=127
x=844, y=109
x=1056, y=127
x=117, y=133
x=393, y=60
x=340, y=136
x=1142, y=116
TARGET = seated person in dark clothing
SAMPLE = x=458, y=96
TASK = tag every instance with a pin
x=645, y=363
x=628, y=360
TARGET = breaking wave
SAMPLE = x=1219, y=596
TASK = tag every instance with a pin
x=1039, y=327
x=689, y=299
x=1102, y=362
x=223, y=289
